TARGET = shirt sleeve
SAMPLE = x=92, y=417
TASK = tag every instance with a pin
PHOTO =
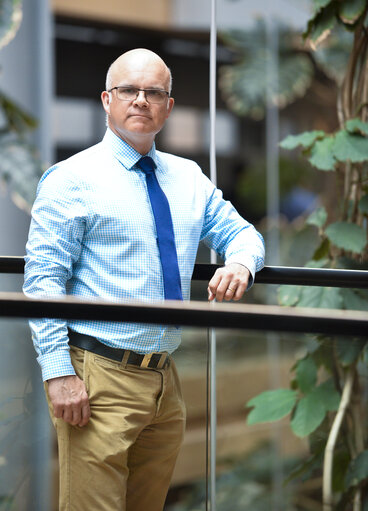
x=230, y=235
x=54, y=244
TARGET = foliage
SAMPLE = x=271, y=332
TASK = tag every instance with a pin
x=10, y=20
x=247, y=486
x=20, y=166
x=327, y=151
x=326, y=402
x=308, y=407
x=328, y=13
x=244, y=84
x=251, y=191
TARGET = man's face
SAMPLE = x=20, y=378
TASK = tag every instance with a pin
x=138, y=120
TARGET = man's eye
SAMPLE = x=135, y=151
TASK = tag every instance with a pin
x=129, y=90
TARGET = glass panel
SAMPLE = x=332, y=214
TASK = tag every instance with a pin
x=273, y=465
x=25, y=464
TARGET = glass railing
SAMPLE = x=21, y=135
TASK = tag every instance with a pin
x=251, y=461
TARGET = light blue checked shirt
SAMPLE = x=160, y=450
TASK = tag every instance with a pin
x=93, y=235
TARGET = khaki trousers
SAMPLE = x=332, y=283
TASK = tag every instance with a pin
x=123, y=459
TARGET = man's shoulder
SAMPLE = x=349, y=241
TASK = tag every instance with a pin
x=170, y=159
x=78, y=163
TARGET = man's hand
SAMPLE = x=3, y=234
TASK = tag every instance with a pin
x=69, y=398
x=228, y=283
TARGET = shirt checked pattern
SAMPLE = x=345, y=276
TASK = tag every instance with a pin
x=93, y=235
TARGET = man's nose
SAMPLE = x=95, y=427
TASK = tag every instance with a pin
x=141, y=99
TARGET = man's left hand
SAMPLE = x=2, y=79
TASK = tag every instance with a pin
x=229, y=283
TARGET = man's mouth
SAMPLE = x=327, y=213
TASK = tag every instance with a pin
x=140, y=115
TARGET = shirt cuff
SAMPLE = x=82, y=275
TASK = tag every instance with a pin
x=54, y=365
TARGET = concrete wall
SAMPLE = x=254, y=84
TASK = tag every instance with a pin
x=155, y=13
x=26, y=76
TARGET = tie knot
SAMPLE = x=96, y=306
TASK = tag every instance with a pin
x=146, y=164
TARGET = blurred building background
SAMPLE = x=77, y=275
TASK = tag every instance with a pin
x=55, y=68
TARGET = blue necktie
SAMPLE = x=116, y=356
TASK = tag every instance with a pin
x=165, y=231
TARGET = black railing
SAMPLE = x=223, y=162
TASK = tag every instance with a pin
x=269, y=274
x=200, y=314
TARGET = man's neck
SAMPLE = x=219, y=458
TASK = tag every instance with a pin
x=142, y=144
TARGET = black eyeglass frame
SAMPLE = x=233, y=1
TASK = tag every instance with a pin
x=138, y=91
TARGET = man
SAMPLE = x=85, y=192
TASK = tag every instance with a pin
x=117, y=410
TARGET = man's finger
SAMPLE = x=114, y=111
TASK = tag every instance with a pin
x=86, y=414
x=222, y=288
x=219, y=283
x=67, y=415
x=76, y=415
x=240, y=290
x=229, y=293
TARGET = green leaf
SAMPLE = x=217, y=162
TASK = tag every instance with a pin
x=318, y=438
x=322, y=251
x=16, y=118
x=350, y=147
x=288, y=295
x=306, y=374
x=320, y=26
x=351, y=11
x=10, y=20
x=358, y=470
x=348, y=349
x=354, y=300
x=309, y=414
x=321, y=154
x=319, y=4
x=243, y=83
x=356, y=125
x=311, y=409
x=323, y=354
x=271, y=405
x=363, y=205
x=332, y=58
x=318, y=217
x=305, y=469
x=327, y=395
x=320, y=297
x=305, y=139
x=347, y=236
x=20, y=170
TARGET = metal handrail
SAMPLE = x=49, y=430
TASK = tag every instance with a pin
x=269, y=274
x=198, y=314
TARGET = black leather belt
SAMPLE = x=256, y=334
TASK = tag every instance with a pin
x=89, y=343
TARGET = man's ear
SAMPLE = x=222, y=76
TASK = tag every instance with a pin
x=170, y=105
x=106, y=99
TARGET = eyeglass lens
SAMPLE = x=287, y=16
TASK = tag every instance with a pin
x=130, y=93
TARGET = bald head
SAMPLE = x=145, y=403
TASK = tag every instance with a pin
x=138, y=59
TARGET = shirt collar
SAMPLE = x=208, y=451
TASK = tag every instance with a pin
x=125, y=153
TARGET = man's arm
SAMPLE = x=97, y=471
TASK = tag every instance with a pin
x=236, y=241
x=53, y=246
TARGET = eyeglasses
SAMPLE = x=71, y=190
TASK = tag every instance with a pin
x=131, y=93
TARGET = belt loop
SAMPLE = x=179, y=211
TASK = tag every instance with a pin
x=124, y=360
x=163, y=359
x=146, y=360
